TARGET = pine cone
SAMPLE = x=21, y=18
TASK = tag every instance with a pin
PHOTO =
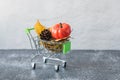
x=46, y=35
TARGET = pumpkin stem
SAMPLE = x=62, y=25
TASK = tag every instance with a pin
x=61, y=25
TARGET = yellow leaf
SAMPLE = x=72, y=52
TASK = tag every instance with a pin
x=39, y=27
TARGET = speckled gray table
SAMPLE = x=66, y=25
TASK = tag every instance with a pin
x=82, y=65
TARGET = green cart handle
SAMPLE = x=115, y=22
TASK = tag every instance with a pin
x=27, y=30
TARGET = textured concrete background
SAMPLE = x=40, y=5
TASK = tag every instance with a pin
x=95, y=23
x=81, y=65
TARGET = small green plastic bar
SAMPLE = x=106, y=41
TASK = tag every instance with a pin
x=66, y=47
x=27, y=30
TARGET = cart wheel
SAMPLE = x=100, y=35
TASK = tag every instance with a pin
x=33, y=65
x=64, y=64
x=44, y=60
x=56, y=68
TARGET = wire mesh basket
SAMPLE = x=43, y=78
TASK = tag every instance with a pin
x=54, y=46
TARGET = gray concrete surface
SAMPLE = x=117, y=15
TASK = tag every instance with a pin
x=95, y=23
x=82, y=65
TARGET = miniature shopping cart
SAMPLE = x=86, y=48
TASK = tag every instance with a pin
x=49, y=50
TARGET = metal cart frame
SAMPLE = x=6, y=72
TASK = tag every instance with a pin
x=35, y=43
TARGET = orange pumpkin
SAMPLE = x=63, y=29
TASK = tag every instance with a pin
x=60, y=30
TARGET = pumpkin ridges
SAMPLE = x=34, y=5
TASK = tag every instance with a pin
x=60, y=30
x=61, y=33
x=53, y=33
